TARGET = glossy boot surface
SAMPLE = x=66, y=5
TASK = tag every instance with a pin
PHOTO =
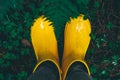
x=44, y=43
x=76, y=42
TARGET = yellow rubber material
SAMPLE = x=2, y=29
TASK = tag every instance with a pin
x=44, y=42
x=76, y=42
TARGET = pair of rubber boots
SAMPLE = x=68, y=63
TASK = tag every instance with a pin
x=76, y=42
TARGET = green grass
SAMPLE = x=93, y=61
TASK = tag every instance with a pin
x=17, y=58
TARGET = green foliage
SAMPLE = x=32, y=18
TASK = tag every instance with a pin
x=96, y=4
x=93, y=69
x=22, y=75
x=9, y=76
x=1, y=76
x=16, y=52
x=9, y=56
x=109, y=25
x=93, y=36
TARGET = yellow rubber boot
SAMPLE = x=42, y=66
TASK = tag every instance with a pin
x=44, y=42
x=76, y=42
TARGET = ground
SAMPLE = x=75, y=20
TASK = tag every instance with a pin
x=17, y=58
